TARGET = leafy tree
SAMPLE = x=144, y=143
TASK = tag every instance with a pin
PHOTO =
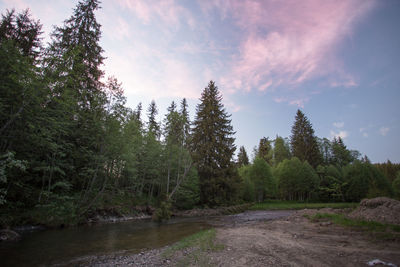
x=243, y=159
x=303, y=142
x=296, y=180
x=331, y=183
x=212, y=148
x=247, y=185
x=281, y=150
x=261, y=176
x=364, y=180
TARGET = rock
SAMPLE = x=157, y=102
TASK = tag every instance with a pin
x=325, y=223
x=9, y=235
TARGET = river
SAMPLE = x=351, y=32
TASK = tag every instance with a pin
x=60, y=246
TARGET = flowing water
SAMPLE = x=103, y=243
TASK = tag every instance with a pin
x=62, y=245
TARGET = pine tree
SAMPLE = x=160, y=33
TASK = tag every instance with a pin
x=243, y=159
x=264, y=150
x=186, y=121
x=303, y=141
x=341, y=156
x=153, y=125
x=213, y=148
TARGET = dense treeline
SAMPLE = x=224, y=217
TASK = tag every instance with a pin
x=306, y=167
x=69, y=146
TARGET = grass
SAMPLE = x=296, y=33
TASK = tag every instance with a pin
x=199, y=244
x=370, y=226
x=292, y=205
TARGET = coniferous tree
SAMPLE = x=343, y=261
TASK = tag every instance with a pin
x=264, y=150
x=186, y=121
x=212, y=148
x=303, y=141
x=73, y=66
x=243, y=159
x=341, y=156
x=153, y=125
x=24, y=119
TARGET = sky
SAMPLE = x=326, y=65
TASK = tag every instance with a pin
x=338, y=61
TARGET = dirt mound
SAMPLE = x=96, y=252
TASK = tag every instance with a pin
x=380, y=209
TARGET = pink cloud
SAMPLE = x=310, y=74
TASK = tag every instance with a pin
x=168, y=11
x=291, y=41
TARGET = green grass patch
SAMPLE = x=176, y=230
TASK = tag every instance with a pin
x=369, y=226
x=200, y=243
x=292, y=205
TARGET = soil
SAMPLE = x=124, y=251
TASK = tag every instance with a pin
x=380, y=209
x=290, y=241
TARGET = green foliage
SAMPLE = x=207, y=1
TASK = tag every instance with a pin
x=9, y=167
x=396, y=185
x=212, y=148
x=261, y=176
x=243, y=159
x=296, y=180
x=247, y=185
x=264, y=150
x=331, y=183
x=281, y=150
x=364, y=180
x=303, y=142
x=76, y=146
x=188, y=194
x=163, y=212
x=389, y=169
x=341, y=156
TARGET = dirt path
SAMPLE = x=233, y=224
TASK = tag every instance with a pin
x=290, y=241
x=297, y=242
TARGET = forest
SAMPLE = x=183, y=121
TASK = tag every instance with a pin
x=69, y=145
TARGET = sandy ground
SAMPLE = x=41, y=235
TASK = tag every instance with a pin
x=290, y=241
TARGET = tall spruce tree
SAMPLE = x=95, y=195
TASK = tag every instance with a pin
x=212, y=148
x=73, y=67
x=303, y=141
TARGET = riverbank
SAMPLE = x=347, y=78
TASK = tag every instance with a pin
x=297, y=240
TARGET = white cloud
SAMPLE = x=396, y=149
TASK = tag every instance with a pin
x=341, y=134
x=338, y=124
x=384, y=130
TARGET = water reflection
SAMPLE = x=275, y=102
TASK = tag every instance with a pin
x=57, y=246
